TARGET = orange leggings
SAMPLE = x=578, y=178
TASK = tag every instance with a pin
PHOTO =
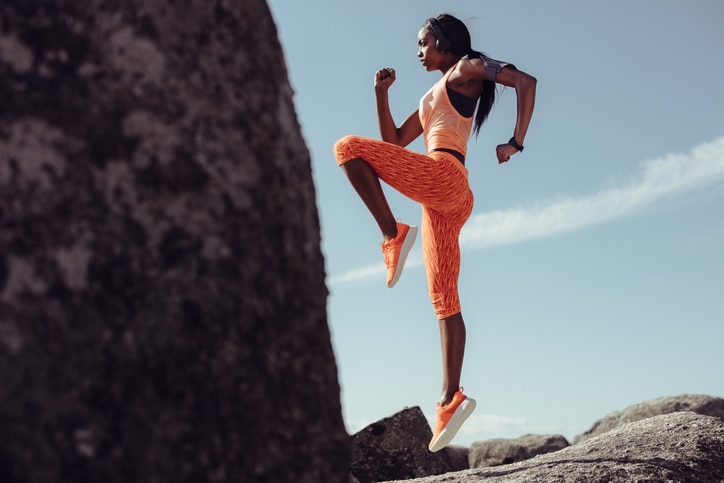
x=438, y=182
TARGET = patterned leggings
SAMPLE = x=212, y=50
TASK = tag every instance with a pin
x=438, y=182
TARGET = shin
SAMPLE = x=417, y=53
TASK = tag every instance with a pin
x=368, y=187
x=452, y=339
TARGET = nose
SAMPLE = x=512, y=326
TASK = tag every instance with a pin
x=419, y=52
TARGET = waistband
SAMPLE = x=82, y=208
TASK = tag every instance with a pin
x=457, y=154
x=440, y=154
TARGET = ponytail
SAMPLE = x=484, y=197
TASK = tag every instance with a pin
x=487, y=96
x=458, y=36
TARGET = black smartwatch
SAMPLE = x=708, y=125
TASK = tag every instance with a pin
x=515, y=144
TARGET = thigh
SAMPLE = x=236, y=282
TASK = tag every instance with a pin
x=441, y=251
x=419, y=177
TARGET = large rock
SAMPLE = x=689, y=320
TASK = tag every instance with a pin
x=496, y=452
x=701, y=404
x=682, y=447
x=162, y=295
x=457, y=456
x=396, y=448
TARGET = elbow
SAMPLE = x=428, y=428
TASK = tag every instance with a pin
x=529, y=82
x=527, y=86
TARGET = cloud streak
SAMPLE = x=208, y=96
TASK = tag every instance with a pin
x=659, y=178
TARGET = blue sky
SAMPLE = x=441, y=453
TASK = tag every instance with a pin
x=593, y=263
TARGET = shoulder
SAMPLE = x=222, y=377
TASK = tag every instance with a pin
x=479, y=69
x=467, y=76
x=470, y=68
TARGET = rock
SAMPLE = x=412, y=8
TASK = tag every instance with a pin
x=701, y=404
x=162, y=287
x=682, y=447
x=396, y=448
x=457, y=456
x=496, y=452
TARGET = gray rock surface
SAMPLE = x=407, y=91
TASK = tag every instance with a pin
x=396, y=448
x=162, y=293
x=679, y=447
x=457, y=456
x=496, y=452
x=701, y=404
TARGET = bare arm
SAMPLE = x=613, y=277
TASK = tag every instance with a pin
x=409, y=129
x=467, y=78
x=525, y=87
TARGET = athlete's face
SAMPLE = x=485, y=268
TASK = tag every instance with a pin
x=426, y=50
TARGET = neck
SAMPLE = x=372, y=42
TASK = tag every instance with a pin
x=449, y=64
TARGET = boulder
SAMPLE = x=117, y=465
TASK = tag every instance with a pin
x=496, y=452
x=458, y=457
x=162, y=287
x=396, y=448
x=701, y=404
x=683, y=447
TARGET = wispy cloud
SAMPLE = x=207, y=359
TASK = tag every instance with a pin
x=671, y=174
x=666, y=176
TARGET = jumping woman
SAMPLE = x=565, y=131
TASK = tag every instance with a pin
x=438, y=181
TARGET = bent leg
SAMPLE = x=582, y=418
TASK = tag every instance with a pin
x=366, y=183
x=421, y=178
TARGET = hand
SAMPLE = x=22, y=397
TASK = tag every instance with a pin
x=384, y=78
x=504, y=152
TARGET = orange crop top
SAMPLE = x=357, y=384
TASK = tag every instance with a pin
x=442, y=125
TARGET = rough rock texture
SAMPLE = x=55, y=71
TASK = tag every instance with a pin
x=682, y=447
x=701, y=404
x=396, y=448
x=496, y=452
x=162, y=297
x=458, y=457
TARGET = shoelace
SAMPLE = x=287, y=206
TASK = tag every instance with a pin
x=387, y=251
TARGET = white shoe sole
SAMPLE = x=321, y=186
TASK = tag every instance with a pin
x=456, y=421
x=404, y=251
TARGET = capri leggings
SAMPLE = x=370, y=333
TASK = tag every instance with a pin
x=439, y=182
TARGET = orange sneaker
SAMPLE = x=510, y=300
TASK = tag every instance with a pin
x=449, y=420
x=396, y=250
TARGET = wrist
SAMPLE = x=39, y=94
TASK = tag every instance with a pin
x=516, y=144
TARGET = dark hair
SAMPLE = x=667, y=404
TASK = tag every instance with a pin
x=459, y=36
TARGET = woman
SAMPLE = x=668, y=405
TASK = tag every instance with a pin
x=438, y=181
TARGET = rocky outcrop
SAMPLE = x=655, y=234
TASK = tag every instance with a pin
x=162, y=293
x=458, y=457
x=701, y=404
x=396, y=448
x=682, y=447
x=496, y=452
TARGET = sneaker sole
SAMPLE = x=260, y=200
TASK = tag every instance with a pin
x=404, y=251
x=456, y=421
